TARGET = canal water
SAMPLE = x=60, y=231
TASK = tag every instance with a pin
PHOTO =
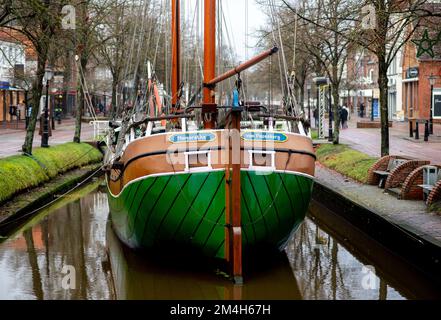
x=69, y=251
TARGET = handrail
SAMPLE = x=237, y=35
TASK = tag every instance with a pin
x=152, y=119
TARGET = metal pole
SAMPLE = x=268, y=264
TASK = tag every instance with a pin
x=53, y=114
x=26, y=110
x=330, y=138
x=431, y=110
x=309, y=106
x=426, y=131
x=45, y=135
x=316, y=119
x=417, y=130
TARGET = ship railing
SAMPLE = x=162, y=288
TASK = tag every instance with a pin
x=100, y=129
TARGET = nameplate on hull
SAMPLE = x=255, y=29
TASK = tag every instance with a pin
x=264, y=136
x=192, y=137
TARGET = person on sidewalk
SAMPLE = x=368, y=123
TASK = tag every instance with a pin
x=316, y=117
x=344, y=113
x=362, y=110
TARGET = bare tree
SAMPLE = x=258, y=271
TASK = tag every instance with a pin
x=37, y=21
x=327, y=32
x=382, y=27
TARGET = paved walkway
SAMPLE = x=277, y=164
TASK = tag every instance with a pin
x=408, y=214
x=369, y=141
x=11, y=140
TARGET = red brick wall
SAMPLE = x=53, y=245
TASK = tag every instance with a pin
x=380, y=165
x=410, y=189
x=435, y=195
x=400, y=173
x=426, y=69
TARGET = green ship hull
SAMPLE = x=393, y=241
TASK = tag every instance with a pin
x=188, y=210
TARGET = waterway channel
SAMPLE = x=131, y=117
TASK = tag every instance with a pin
x=69, y=251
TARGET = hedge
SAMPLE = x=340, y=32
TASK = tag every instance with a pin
x=20, y=173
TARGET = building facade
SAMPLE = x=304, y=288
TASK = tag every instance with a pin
x=12, y=70
x=421, y=63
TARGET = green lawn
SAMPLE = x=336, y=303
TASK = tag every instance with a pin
x=349, y=162
x=19, y=173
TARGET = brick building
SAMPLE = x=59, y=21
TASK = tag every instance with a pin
x=421, y=61
x=16, y=63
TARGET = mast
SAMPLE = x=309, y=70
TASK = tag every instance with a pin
x=209, y=109
x=176, y=50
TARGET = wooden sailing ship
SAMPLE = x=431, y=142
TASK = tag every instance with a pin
x=223, y=188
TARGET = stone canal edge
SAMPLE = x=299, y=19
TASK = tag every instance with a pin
x=403, y=227
x=24, y=206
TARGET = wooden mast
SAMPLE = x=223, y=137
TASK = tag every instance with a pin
x=209, y=109
x=176, y=48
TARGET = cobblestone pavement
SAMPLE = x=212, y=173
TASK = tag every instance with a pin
x=11, y=140
x=408, y=214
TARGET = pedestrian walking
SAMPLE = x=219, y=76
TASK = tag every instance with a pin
x=362, y=110
x=344, y=113
x=316, y=117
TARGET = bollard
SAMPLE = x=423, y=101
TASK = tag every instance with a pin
x=410, y=129
x=417, y=131
x=426, y=131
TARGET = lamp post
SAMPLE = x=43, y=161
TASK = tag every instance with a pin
x=45, y=136
x=372, y=106
x=432, y=79
x=308, y=87
x=26, y=88
x=330, y=138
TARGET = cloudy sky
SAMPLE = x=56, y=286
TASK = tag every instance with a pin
x=234, y=11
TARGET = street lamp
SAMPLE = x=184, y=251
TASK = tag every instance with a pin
x=308, y=87
x=48, y=74
x=330, y=137
x=432, y=79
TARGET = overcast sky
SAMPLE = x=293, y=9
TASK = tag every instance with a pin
x=234, y=11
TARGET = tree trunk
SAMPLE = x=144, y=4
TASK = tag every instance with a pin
x=114, y=98
x=79, y=115
x=384, y=111
x=302, y=97
x=382, y=17
x=37, y=88
x=80, y=104
x=336, y=97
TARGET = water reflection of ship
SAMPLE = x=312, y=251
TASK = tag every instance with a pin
x=137, y=277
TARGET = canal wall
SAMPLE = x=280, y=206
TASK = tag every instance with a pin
x=402, y=226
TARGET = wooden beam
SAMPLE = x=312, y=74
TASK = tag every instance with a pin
x=209, y=62
x=233, y=234
x=176, y=50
